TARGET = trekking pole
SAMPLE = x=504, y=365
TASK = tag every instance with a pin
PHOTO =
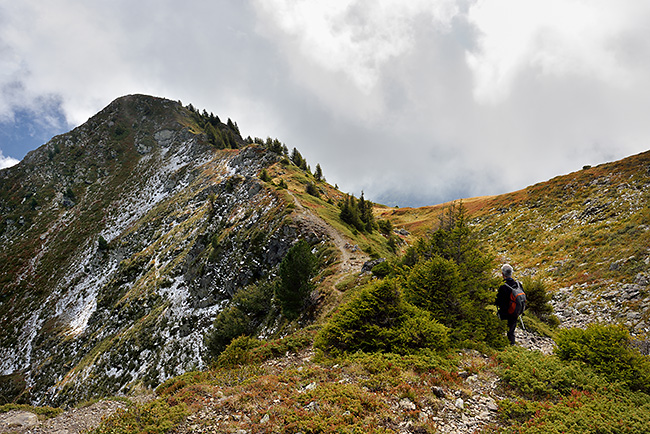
x=522, y=323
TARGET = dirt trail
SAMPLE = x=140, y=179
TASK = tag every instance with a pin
x=352, y=257
x=74, y=421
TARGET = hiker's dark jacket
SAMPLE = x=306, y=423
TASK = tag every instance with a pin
x=503, y=298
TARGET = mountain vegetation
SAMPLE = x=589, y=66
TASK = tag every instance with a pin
x=154, y=248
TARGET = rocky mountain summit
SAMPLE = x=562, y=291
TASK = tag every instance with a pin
x=121, y=241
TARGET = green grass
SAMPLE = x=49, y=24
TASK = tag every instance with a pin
x=549, y=395
x=47, y=412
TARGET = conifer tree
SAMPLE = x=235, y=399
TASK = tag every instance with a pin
x=357, y=213
x=233, y=126
x=296, y=270
x=276, y=146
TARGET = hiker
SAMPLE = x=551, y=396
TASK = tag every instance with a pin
x=506, y=309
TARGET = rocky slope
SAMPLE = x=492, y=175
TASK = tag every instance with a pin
x=121, y=241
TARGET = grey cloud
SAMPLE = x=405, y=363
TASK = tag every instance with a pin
x=413, y=133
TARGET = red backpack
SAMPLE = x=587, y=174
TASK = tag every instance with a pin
x=517, y=304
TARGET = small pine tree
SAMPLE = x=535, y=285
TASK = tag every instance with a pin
x=103, y=244
x=318, y=175
x=312, y=190
x=276, y=146
x=357, y=213
x=379, y=320
x=264, y=176
x=233, y=126
x=296, y=158
x=296, y=270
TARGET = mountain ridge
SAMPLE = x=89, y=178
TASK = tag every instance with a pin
x=125, y=237
x=163, y=200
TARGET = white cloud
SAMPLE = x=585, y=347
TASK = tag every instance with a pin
x=426, y=99
x=555, y=37
x=7, y=161
x=339, y=50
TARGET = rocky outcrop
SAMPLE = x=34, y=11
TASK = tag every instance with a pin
x=616, y=303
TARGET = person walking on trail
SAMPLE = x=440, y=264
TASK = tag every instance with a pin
x=507, y=309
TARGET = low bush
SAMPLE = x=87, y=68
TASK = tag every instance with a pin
x=538, y=300
x=248, y=350
x=248, y=309
x=239, y=352
x=382, y=269
x=569, y=397
x=312, y=190
x=335, y=408
x=45, y=411
x=264, y=176
x=579, y=413
x=229, y=324
x=606, y=349
x=378, y=319
x=536, y=375
x=155, y=417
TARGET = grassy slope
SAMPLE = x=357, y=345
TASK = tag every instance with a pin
x=568, y=230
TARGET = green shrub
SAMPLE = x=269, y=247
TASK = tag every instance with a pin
x=46, y=411
x=538, y=300
x=155, y=417
x=264, y=176
x=580, y=413
x=537, y=375
x=255, y=300
x=607, y=349
x=342, y=408
x=377, y=363
x=229, y=324
x=239, y=352
x=378, y=319
x=296, y=270
x=248, y=309
x=382, y=269
x=279, y=347
x=312, y=190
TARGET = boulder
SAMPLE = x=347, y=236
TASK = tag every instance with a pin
x=369, y=265
x=19, y=420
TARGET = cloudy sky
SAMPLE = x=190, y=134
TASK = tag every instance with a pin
x=414, y=103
